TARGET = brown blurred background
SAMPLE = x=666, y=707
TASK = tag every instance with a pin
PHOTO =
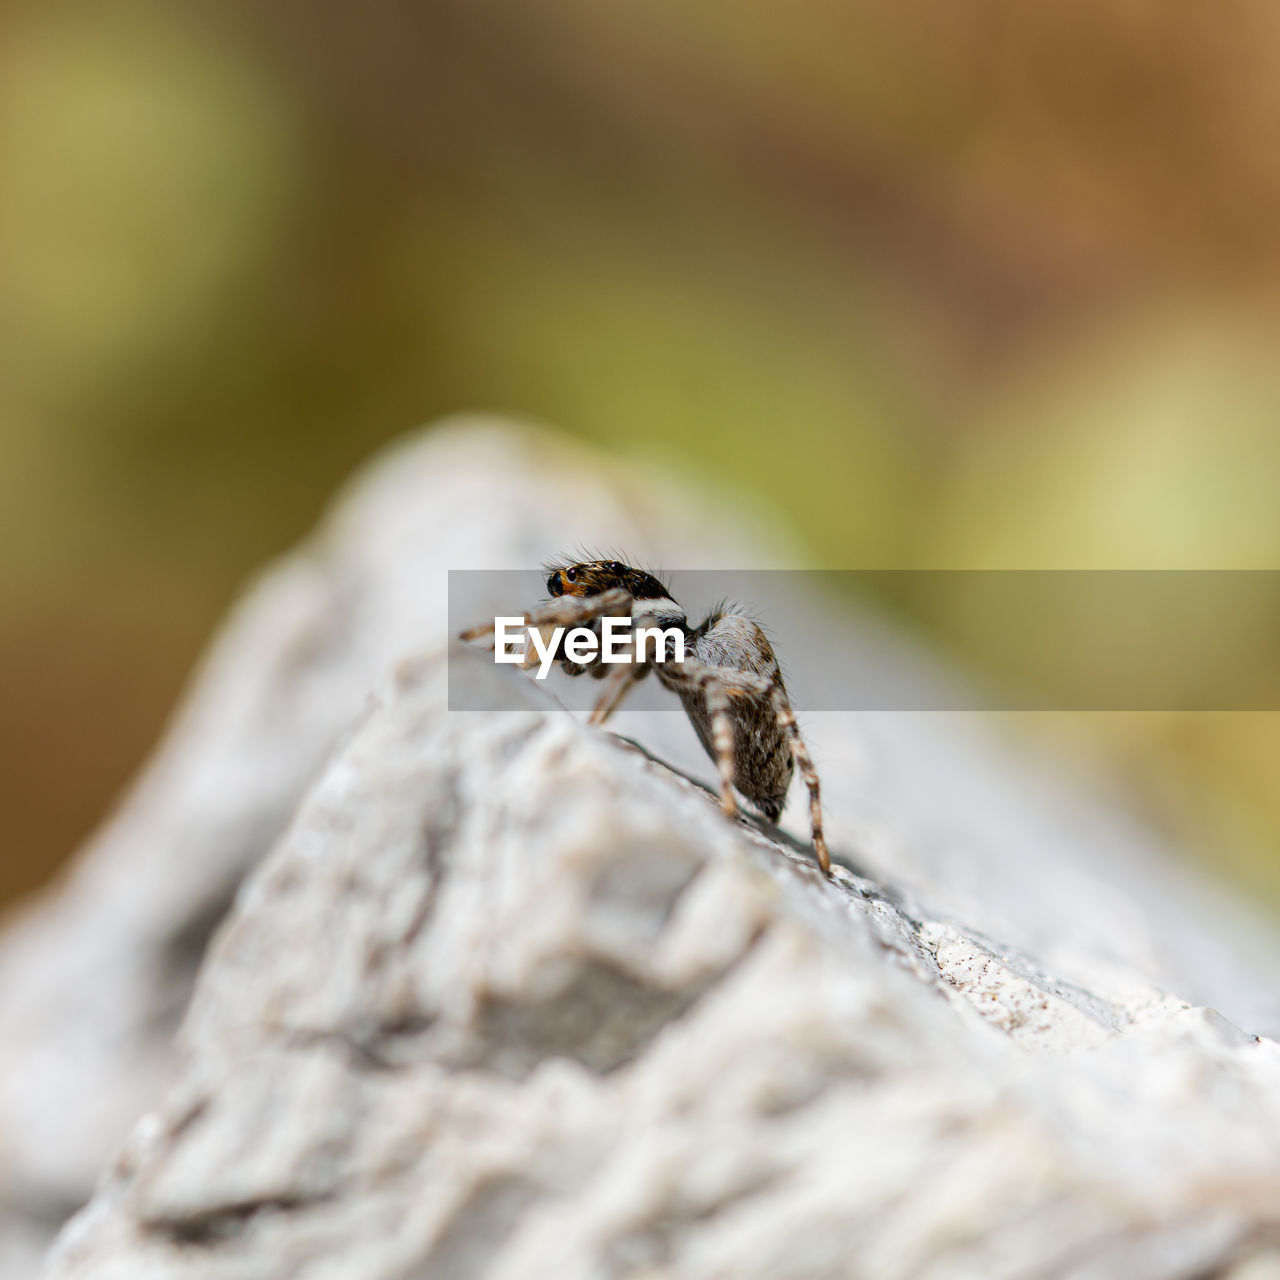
x=952, y=282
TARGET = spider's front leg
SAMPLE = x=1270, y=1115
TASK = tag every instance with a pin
x=624, y=679
x=620, y=684
x=566, y=611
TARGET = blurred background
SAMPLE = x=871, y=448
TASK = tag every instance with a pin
x=962, y=284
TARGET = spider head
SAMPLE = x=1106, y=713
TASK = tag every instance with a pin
x=593, y=577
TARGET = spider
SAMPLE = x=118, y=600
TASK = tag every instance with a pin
x=729, y=681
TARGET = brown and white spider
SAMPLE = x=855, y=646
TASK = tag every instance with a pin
x=728, y=681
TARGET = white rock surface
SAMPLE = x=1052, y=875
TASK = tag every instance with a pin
x=978, y=1030
x=513, y=1000
x=95, y=975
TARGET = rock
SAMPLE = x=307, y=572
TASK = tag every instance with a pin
x=96, y=974
x=512, y=998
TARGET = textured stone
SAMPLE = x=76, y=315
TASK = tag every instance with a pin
x=95, y=975
x=511, y=998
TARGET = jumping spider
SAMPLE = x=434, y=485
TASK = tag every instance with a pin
x=729, y=682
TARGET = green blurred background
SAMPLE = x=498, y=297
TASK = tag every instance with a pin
x=953, y=282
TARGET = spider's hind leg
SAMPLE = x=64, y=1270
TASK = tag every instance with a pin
x=717, y=697
x=804, y=763
x=716, y=685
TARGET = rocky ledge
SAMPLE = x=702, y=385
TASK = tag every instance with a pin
x=507, y=996
x=513, y=999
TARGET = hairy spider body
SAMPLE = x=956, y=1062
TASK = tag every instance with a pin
x=729, y=682
x=762, y=761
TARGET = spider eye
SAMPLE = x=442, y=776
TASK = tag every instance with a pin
x=571, y=574
x=615, y=567
x=554, y=585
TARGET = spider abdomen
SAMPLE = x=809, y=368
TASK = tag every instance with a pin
x=762, y=760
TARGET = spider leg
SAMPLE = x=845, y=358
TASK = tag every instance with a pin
x=620, y=684
x=804, y=763
x=485, y=629
x=708, y=678
x=565, y=611
x=572, y=611
x=623, y=680
x=714, y=685
x=722, y=739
